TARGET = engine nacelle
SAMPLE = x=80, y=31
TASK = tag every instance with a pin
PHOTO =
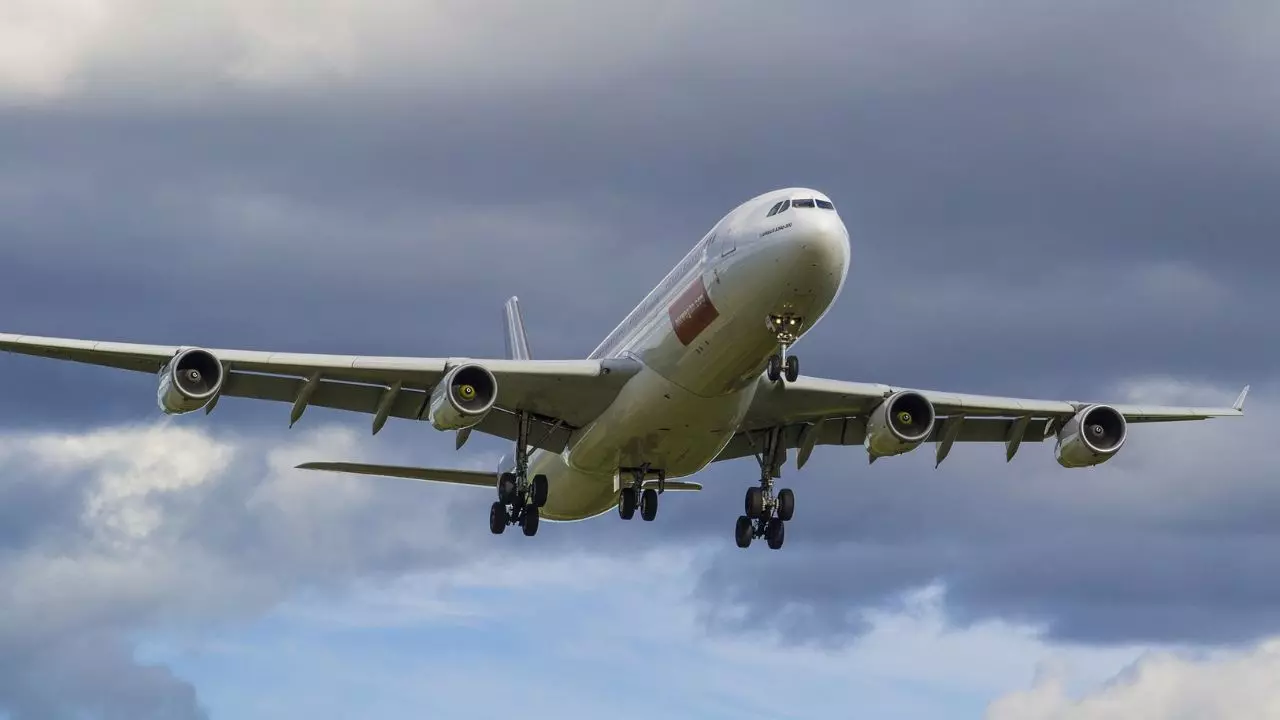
x=899, y=424
x=1091, y=437
x=189, y=381
x=462, y=398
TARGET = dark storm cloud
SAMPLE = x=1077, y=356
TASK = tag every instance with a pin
x=96, y=670
x=1169, y=542
x=1042, y=201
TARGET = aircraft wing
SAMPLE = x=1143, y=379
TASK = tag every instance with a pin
x=816, y=411
x=559, y=395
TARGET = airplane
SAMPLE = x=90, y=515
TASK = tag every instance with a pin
x=701, y=371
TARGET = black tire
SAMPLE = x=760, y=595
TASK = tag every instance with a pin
x=540, y=489
x=649, y=505
x=497, y=518
x=774, y=370
x=793, y=368
x=775, y=533
x=743, y=532
x=786, y=504
x=754, y=505
x=507, y=488
x=529, y=521
x=627, y=503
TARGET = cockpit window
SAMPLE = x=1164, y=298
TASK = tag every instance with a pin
x=785, y=204
x=774, y=210
x=825, y=204
x=806, y=202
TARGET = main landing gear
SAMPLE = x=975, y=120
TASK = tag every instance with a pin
x=519, y=496
x=637, y=495
x=786, y=328
x=766, y=514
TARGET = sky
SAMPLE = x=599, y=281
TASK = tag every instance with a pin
x=1052, y=200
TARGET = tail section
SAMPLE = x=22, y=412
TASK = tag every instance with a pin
x=517, y=342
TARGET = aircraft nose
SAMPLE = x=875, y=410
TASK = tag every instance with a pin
x=821, y=243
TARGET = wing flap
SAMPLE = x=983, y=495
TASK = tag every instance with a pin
x=545, y=433
x=452, y=477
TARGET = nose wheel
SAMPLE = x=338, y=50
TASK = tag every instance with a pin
x=520, y=497
x=786, y=328
x=766, y=514
x=783, y=367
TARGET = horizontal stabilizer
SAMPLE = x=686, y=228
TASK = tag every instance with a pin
x=674, y=486
x=453, y=477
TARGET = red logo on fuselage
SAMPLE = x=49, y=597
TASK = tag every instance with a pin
x=692, y=312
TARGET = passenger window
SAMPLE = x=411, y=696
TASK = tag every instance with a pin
x=825, y=204
x=802, y=203
x=775, y=209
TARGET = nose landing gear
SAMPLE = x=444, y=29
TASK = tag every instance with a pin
x=766, y=514
x=519, y=496
x=786, y=328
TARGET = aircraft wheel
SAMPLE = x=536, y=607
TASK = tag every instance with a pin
x=507, y=488
x=649, y=505
x=498, y=518
x=775, y=368
x=775, y=533
x=529, y=521
x=755, y=502
x=793, y=368
x=540, y=490
x=627, y=503
x=786, y=504
x=742, y=532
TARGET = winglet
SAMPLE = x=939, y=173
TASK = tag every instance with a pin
x=1238, y=405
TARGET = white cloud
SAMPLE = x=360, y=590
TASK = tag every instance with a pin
x=55, y=47
x=179, y=527
x=44, y=42
x=606, y=621
x=132, y=528
x=52, y=48
x=1162, y=686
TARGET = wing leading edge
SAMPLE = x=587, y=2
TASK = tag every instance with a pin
x=558, y=395
x=817, y=411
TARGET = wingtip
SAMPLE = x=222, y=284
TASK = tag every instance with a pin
x=1239, y=403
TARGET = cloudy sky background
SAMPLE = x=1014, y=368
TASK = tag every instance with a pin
x=1055, y=201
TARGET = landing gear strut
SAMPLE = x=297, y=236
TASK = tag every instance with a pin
x=786, y=328
x=766, y=514
x=637, y=495
x=519, y=496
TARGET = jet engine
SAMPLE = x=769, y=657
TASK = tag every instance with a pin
x=1091, y=437
x=462, y=398
x=899, y=424
x=189, y=381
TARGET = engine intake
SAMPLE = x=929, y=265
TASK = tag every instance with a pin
x=463, y=397
x=899, y=424
x=1091, y=437
x=189, y=381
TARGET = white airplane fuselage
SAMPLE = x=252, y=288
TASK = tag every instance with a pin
x=702, y=339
